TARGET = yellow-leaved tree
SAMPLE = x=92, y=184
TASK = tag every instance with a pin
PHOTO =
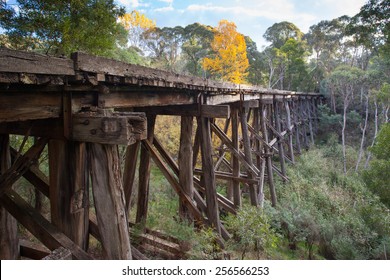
x=229, y=61
x=136, y=23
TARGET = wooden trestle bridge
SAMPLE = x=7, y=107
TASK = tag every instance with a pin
x=83, y=108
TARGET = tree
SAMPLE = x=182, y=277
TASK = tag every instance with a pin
x=229, y=61
x=61, y=27
x=257, y=65
x=279, y=33
x=345, y=82
x=377, y=177
x=136, y=24
x=163, y=46
x=196, y=46
x=372, y=24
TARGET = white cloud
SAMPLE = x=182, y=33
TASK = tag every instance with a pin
x=164, y=9
x=133, y=3
x=273, y=10
x=345, y=7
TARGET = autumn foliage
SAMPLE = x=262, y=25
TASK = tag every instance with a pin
x=229, y=61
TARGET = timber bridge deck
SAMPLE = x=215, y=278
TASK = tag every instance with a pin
x=84, y=107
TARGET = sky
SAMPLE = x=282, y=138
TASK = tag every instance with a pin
x=252, y=17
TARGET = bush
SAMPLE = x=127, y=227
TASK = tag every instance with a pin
x=251, y=230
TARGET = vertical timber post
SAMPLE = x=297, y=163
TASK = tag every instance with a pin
x=278, y=125
x=129, y=172
x=69, y=195
x=209, y=174
x=235, y=160
x=9, y=243
x=109, y=200
x=144, y=174
x=248, y=155
x=186, y=172
x=267, y=154
x=260, y=162
x=289, y=129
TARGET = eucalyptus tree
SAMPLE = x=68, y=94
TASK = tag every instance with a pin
x=61, y=27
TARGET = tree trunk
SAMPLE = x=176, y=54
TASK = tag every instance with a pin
x=361, y=150
x=375, y=134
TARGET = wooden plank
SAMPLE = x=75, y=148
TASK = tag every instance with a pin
x=41, y=228
x=8, y=225
x=209, y=174
x=118, y=129
x=69, y=193
x=144, y=175
x=29, y=62
x=186, y=173
x=32, y=250
x=129, y=170
x=229, y=176
x=109, y=201
x=25, y=106
x=210, y=111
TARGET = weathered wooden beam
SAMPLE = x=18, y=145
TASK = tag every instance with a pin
x=248, y=156
x=267, y=151
x=26, y=106
x=47, y=128
x=290, y=128
x=109, y=201
x=194, y=110
x=144, y=175
x=186, y=173
x=41, y=228
x=278, y=125
x=129, y=170
x=69, y=193
x=32, y=250
x=235, y=159
x=118, y=129
x=94, y=231
x=209, y=174
x=30, y=62
x=8, y=225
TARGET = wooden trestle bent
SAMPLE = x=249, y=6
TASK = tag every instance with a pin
x=85, y=107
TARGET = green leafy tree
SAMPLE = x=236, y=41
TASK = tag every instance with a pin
x=377, y=177
x=61, y=27
x=279, y=33
x=196, y=46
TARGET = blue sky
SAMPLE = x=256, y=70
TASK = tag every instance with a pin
x=252, y=17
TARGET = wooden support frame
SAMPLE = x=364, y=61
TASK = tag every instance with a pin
x=69, y=189
x=41, y=228
x=144, y=174
x=109, y=200
x=9, y=249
